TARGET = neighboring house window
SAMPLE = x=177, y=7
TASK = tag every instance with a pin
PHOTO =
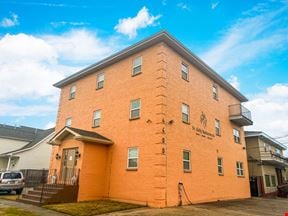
x=100, y=81
x=215, y=92
x=132, y=162
x=135, y=109
x=277, y=151
x=217, y=127
x=239, y=167
x=72, y=92
x=96, y=118
x=267, y=181
x=273, y=181
x=236, y=135
x=137, y=66
x=185, y=113
x=184, y=71
x=186, y=161
x=68, y=122
x=220, y=165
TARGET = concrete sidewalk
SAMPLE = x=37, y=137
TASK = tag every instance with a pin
x=35, y=209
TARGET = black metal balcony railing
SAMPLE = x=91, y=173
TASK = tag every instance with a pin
x=240, y=115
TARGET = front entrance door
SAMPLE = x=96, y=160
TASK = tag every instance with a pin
x=279, y=176
x=254, y=186
x=69, y=163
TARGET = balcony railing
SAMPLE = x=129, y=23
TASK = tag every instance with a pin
x=240, y=115
x=274, y=158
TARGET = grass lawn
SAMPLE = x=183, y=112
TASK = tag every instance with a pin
x=91, y=207
x=11, y=211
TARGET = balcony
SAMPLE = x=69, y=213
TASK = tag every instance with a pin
x=274, y=158
x=240, y=115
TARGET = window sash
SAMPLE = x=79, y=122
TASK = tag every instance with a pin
x=215, y=92
x=100, y=80
x=184, y=71
x=132, y=161
x=68, y=122
x=72, y=92
x=220, y=166
x=186, y=161
x=137, y=65
x=239, y=167
x=217, y=127
x=267, y=181
x=135, y=106
x=236, y=135
x=185, y=113
x=96, y=118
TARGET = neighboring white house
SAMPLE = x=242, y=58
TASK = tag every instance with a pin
x=24, y=147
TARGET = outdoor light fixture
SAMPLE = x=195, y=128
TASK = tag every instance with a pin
x=77, y=155
x=58, y=157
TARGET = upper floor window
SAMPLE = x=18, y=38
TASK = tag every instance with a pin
x=220, y=166
x=239, y=168
x=186, y=161
x=96, y=118
x=135, y=109
x=72, y=92
x=137, y=66
x=68, y=122
x=185, y=113
x=100, y=81
x=215, y=91
x=236, y=135
x=217, y=127
x=277, y=151
x=184, y=71
x=132, y=162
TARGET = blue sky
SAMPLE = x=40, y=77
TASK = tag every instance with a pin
x=41, y=42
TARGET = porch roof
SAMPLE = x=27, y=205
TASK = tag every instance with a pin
x=79, y=134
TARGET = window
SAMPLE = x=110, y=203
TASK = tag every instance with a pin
x=96, y=118
x=186, y=161
x=100, y=81
x=184, y=71
x=132, y=162
x=215, y=92
x=277, y=151
x=217, y=127
x=239, y=168
x=135, y=109
x=267, y=181
x=220, y=166
x=273, y=181
x=236, y=135
x=68, y=122
x=137, y=66
x=72, y=92
x=185, y=113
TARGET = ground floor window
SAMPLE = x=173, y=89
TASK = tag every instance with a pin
x=267, y=181
x=132, y=162
x=270, y=181
x=186, y=161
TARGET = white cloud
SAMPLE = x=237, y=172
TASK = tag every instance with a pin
x=270, y=110
x=129, y=26
x=49, y=125
x=183, y=6
x=214, y=5
x=30, y=65
x=70, y=23
x=248, y=38
x=9, y=22
x=234, y=81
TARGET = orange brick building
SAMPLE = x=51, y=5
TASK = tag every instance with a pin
x=150, y=123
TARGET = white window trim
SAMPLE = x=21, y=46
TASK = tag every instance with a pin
x=222, y=168
x=187, y=72
x=99, y=110
x=239, y=169
x=185, y=160
x=132, y=168
x=239, y=137
x=218, y=123
x=72, y=91
x=135, y=66
x=135, y=109
x=188, y=114
x=98, y=81
x=68, y=119
x=216, y=93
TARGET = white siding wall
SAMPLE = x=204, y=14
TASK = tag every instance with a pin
x=10, y=145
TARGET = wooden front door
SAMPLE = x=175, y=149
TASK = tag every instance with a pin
x=69, y=163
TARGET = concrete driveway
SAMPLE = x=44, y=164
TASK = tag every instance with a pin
x=251, y=207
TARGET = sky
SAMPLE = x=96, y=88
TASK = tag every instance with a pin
x=41, y=42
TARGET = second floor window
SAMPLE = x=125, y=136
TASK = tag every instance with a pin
x=135, y=109
x=96, y=118
x=72, y=92
x=184, y=71
x=220, y=165
x=137, y=66
x=100, y=81
x=215, y=92
x=132, y=162
x=217, y=127
x=239, y=168
x=68, y=122
x=236, y=135
x=186, y=161
x=185, y=113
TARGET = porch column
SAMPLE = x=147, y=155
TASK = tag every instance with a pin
x=9, y=162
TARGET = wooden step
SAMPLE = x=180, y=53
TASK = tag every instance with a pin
x=38, y=192
x=35, y=197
